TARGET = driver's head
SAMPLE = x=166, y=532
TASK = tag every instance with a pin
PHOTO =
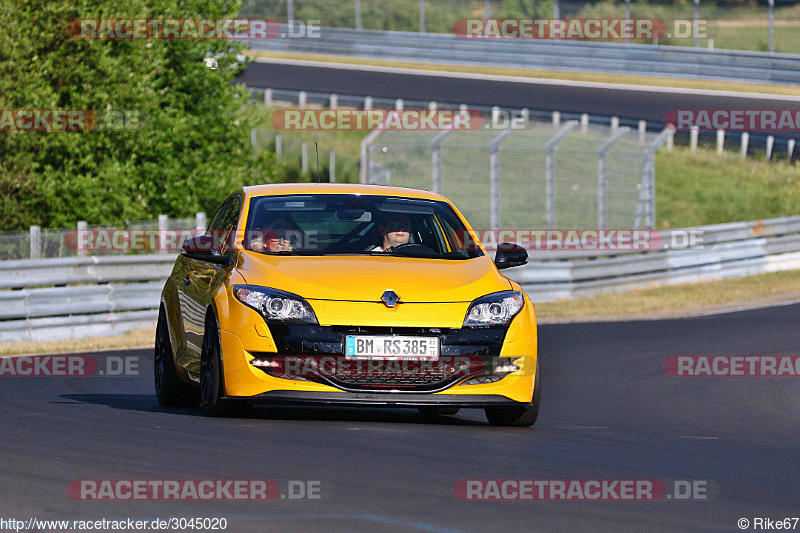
x=395, y=230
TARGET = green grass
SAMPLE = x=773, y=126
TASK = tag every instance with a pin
x=787, y=38
x=703, y=188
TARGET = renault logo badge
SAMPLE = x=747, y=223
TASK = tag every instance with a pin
x=390, y=298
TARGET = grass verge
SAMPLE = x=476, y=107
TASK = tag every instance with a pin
x=131, y=340
x=677, y=300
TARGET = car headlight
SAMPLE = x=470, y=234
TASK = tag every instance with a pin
x=494, y=309
x=275, y=305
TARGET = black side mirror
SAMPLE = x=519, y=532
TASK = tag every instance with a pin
x=204, y=248
x=510, y=255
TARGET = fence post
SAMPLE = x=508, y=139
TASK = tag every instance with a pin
x=647, y=189
x=253, y=139
x=81, y=231
x=745, y=142
x=36, y=240
x=642, y=131
x=366, y=144
x=200, y=223
x=694, y=134
x=494, y=178
x=268, y=97
x=770, y=145
x=278, y=147
x=550, y=171
x=163, y=226
x=422, y=16
x=602, y=180
x=358, y=13
x=436, y=160
x=771, y=7
x=790, y=149
x=304, y=157
x=720, y=141
x=671, y=141
x=332, y=166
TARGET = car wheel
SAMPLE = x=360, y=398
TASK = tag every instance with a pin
x=170, y=390
x=438, y=410
x=518, y=415
x=212, y=389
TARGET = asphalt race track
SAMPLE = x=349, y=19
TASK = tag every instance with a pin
x=650, y=105
x=609, y=411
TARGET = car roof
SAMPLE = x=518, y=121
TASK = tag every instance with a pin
x=338, y=188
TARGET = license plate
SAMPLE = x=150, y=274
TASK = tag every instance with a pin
x=391, y=346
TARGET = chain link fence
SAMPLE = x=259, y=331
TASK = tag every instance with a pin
x=539, y=175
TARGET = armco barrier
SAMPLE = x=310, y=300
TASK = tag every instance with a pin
x=617, y=58
x=52, y=299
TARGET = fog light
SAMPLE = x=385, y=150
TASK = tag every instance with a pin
x=264, y=363
x=482, y=380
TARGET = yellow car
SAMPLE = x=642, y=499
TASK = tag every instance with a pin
x=335, y=294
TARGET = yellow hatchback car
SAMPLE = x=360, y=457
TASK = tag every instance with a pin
x=357, y=295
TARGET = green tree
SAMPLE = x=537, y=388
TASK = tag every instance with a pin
x=192, y=145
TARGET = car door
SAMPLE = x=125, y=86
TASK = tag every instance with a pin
x=193, y=284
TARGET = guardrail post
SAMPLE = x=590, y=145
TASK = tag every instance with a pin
x=36, y=240
x=81, y=239
x=642, y=131
x=432, y=106
x=422, y=16
x=289, y=11
x=695, y=26
x=436, y=160
x=357, y=7
x=494, y=178
x=694, y=134
x=585, y=122
x=304, y=157
x=790, y=149
x=614, y=124
x=278, y=149
x=671, y=141
x=495, y=116
x=770, y=145
x=200, y=223
x=302, y=99
x=367, y=103
x=550, y=171
x=163, y=226
x=398, y=104
x=332, y=166
x=745, y=142
x=334, y=101
x=602, y=180
x=720, y=141
x=771, y=8
x=525, y=115
x=556, y=118
x=268, y=97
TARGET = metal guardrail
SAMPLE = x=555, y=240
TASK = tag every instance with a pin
x=98, y=296
x=647, y=60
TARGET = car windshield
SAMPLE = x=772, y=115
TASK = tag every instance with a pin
x=348, y=224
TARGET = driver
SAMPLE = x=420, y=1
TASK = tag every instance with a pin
x=273, y=240
x=395, y=230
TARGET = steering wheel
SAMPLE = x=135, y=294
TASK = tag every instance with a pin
x=413, y=248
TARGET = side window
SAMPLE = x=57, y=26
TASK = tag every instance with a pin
x=216, y=218
x=228, y=222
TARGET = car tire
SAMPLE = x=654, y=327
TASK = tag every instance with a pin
x=432, y=410
x=170, y=390
x=212, y=385
x=518, y=415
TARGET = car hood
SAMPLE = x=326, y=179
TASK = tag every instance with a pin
x=366, y=278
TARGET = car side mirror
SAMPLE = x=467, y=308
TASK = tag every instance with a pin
x=204, y=248
x=510, y=255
